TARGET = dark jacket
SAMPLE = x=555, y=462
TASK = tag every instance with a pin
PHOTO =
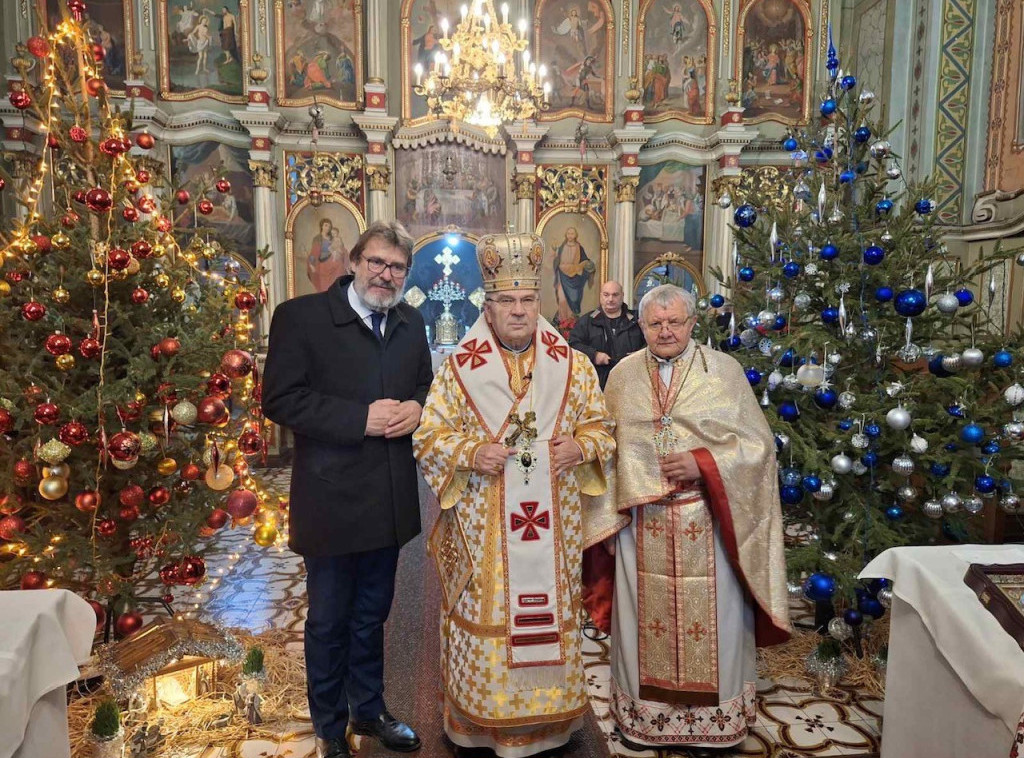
x=349, y=492
x=593, y=334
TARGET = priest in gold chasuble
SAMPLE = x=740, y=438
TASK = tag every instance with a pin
x=513, y=430
x=693, y=504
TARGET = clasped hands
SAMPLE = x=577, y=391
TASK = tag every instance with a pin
x=565, y=453
x=391, y=418
x=679, y=467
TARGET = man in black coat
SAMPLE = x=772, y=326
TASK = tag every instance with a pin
x=348, y=371
x=609, y=333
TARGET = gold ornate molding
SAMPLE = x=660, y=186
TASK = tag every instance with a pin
x=761, y=185
x=379, y=176
x=578, y=187
x=625, y=189
x=264, y=174
x=726, y=28
x=319, y=174
x=524, y=186
x=23, y=165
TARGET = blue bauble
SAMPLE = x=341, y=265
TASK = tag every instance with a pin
x=984, y=484
x=910, y=303
x=847, y=176
x=846, y=424
x=790, y=495
x=972, y=434
x=874, y=431
x=778, y=443
x=826, y=398
x=964, y=296
x=821, y=156
x=788, y=358
x=853, y=617
x=991, y=447
x=848, y=82
x=819, y=587
x=894, y=512
x=873, y=255
x=939, y=469
x=717, y=301
x=924, y=206
x=829, y=252
x=876, y=585
x=869, y=459
x=830, y=315
x=746, y=274
x=788, y=411
x=870, y=606
x=753, y=376
x=862, y=135
x=791, y=476
x=780, y=323
x=935, y=366
x=951, y=447
x=789, y=144
x=745, y=216
x=955, y=410
x=828, y=107
x=883, y=206
x=734, y=342
x=1002, y=359
x=812, y=483
x=883, y=294
x=791, y=270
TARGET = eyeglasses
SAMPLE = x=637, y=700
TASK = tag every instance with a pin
x=377, y=266
x=674, y=325
x=506, y=303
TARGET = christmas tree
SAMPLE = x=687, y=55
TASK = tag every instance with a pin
x=890, y=383
x=129, y=394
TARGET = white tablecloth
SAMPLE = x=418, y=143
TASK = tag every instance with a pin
x=955, y=679
x=44, y=636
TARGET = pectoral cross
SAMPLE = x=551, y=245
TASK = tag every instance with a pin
x=521, y=438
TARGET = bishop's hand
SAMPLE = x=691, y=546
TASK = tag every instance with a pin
x=565, y=454
x=490, y=459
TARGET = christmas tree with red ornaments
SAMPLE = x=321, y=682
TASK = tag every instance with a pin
x=129, y=394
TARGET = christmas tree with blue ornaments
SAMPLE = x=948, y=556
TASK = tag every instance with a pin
x=881, y=362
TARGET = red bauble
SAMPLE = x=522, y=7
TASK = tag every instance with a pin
x=139, y=296
x=77, y=9
x=205, y=206
x=124, y=446
x=131, y=186
x=88, y=501
x=112, y=146
x=98, y=200
x=145, y=140
x=10, y=504
x=34, y=393
x=98, y=53
x=241, y=504
x=163, y=224
x=47, y=413
x=14, y=276
x=183, y=488
x=212, y=410
x=131, y=411
x=70, y=219
x=142, y=249
x=167, y=597
x=73, y=433
x=190, y=472
x=166, y=392
x=223, y=186
x=131, y=496
x=78, y=134
x=182, y=196
x=170, y=346
x=101, y=613
x=6, y=421
x=79, y=197
x=58, y=344
x=169, y=574
x=90, y=348
x=219, y=385
x=52, y=142
x=38, y=46
x=217, y=518
x=146, y=204
x=11, y=527
x=192, y=569
x=94, y=86
x=3, y=183
x=250, y=443
x=24, y=470
x=245, y=301
x=107, y=527
x=43, y=244
x=130, y=213
x=154, y=353
x=33, y=580
x=143, y=176
x=119, y=259
x=20, y=99
x=128, y=623
x=33, y=311
x=128, y=514
x=159, y=495
x=236, y=363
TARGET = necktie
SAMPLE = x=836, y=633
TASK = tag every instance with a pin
x=375, y=321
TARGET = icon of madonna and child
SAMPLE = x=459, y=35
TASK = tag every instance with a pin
x=328, y=256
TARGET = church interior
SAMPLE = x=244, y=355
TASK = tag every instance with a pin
x=837, y=186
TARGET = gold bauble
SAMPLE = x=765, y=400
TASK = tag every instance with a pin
x=133, y=266
x=5, y=289
x=242, y=338
x=158, y=251
x=190, y=257
x=140, y=398
x=220, y=478
x=230, y=446
x=265, y=535
x=209, y=252
x=167, y=240
x=66, y=362
x=178, y=295
x=162, y=281
x=191, y=308
x=26, y=246
x=53, y=487
x=60, y=241
x=95, y=277
x=61, y=470
x=119, y=276
x=61, y=295
x=167, y=466
x=265, y=517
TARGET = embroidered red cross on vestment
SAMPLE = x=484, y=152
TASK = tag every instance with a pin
x=697, y=631
x=473, y=354
x=531, y=521
x=693, y=531
x=554, y=350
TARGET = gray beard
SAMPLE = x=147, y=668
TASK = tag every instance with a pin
x=378, y=303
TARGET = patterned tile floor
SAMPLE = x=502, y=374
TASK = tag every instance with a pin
x=264, y=589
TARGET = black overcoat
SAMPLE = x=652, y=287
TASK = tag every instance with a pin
x=349, y=492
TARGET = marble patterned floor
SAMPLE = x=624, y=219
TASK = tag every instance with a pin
x=258, y=589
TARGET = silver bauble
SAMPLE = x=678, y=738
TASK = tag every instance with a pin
x=1014, y=395
x=798, y=231
x=906, y=493
x=824, y=493
x=1020, y=259
x=947, y=303
x=835, y=358
x=918, y=444
x=866, y=97
x=880, y=149
x=868, y=334
x=810, y=374
x=811, y=269
x=790, y=382
x=775, y=294
x=766, y=402
x=893, y=173
x=932, y=509
x=860, y=441
x=841, y=463
x=929, y=351
x=898, y=418
x=775, y=379
x=802, y=300
x=952, y=362
x=886, y=237
x=184, y=413
x=973, y=505
x=839, y=629
x=1010, y=503
x=859, y=468
x=972, y=357
x=848, y=516
x=836, y=216
x=884, y=597
x=766, y=317
x=846, y=400
x=903, y=465
x=702, y=304
x=795, y=590
x=1014, y=430
x=909, y=353
x=749, y=338
x=951, y=502
x=850, y=331
x=782, y=440
x=725, y=201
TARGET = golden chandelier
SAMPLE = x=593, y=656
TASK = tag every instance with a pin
x=484, y=76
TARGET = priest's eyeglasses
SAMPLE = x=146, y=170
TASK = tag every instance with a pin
x=377, y=266
x=507, y=303
x=673, y=325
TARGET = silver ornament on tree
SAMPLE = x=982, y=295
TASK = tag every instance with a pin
x=972, y=357
x=932, y=509
x=866, y=97
x=790, y=382
x=880, y=149
x=782, y=440
x=973, y=504
x=775, y=379
x=1010, y=503
x=776, y=294
x=859, y=468
x=846, y=400
x=951, y=363
x=903, y=465
x=825, y=492
x=184, y=413
x=860, y=441
x=918, y=444
x=724, y=200
x=835, y=358
x=898, y=418
x=802, y=300
x=839, y=629
x=810, y=374
x=885, y=597
x=886, y=237
x=947, y=303
x=951, y=502
x=766, y=317
x=1014, y=395
x=702, y=304
x=1014, y=430
x=842, y=463
x=907, y=493
x=893, y=173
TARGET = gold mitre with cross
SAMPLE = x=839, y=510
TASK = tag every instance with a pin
x=510, y=261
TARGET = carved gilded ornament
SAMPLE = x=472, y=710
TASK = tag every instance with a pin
x=327, y=173
x=264, y=174
x=760, y=185
x=525, y=186
x=24, y=164
x=625, y=189
x=578, y=187
x=379, y=176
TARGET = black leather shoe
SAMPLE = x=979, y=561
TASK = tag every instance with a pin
x=389, y=731
x=333, y=748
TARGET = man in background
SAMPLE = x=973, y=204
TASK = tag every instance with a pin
x=608, y=334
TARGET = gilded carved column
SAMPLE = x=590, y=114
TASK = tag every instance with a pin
x=378, y=179
x=525, y=188
x=620, y=264
x=264, y=187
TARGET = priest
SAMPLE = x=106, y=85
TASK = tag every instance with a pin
x=513, y=430
x=693, y=510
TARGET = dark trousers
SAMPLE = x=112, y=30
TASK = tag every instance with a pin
x=349, y=601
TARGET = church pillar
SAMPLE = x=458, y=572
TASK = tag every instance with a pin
x=378, y=127
x=264, y=187
x=525, y=135
x=627, y=143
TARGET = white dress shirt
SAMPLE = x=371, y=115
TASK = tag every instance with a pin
x=364, y=313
